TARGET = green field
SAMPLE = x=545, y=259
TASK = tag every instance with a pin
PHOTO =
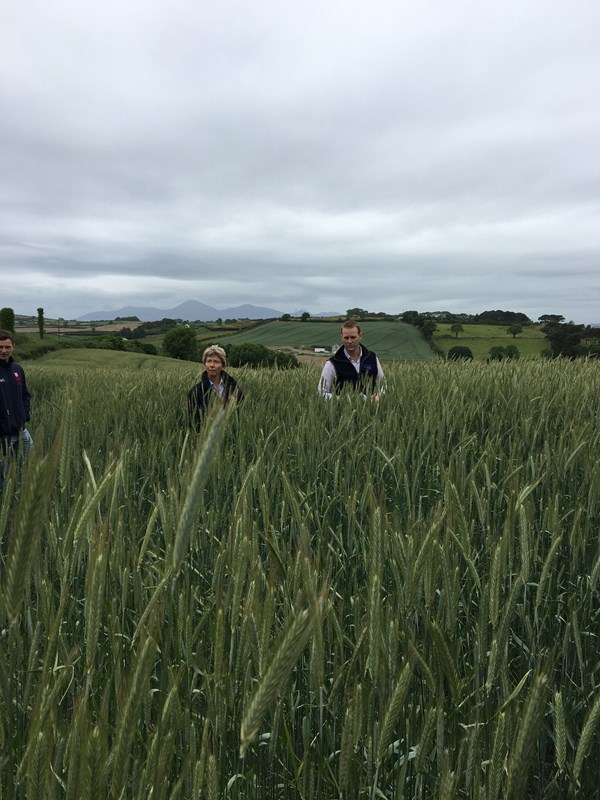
x=306, y=600
x=481, y=338
x=85, y=358
x=390, y=340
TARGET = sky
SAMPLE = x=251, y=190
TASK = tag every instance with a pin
x=301, y=154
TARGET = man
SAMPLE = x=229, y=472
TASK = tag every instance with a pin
x=14, y=401
x=352, y=366
x=214, y=383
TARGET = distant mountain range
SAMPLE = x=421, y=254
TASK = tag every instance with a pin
x=193, y=310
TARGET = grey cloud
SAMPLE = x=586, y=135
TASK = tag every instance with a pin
x=288, y=150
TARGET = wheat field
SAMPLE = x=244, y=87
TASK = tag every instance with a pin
x=306, y=599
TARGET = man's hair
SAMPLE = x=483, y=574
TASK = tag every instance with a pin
x=351, y=323
x=215, y=350
x=6, y=335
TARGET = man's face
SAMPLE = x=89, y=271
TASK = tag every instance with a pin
x=214, y=367
x=351, y=339
x=6, y=349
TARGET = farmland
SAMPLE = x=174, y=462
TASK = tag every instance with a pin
x=481, y=338
x=307, y=599
x=390, y=340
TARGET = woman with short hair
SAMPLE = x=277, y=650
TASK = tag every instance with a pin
x=214, y=383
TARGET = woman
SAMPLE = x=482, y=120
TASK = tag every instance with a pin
x=214, y=382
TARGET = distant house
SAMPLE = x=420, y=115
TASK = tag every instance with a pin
x=321, y=350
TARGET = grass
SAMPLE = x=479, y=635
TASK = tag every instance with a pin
x=87, y=359
x=390, y=340
x=481, y=338
x=366, y=600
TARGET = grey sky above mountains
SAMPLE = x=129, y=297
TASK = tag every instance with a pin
x=392, y=155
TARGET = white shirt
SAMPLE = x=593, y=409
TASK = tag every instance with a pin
x=328, y=375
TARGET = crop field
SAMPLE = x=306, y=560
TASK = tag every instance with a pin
x=305, y=599
x=481, y=338
x=390, y=340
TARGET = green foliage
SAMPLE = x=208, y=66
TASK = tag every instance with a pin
x=389, y=339
x=498, y=353
x=180, y=342
x=456, y=328
x=357, y=313
x=40, y=322
x=7, y=319
x=370, y=600
x=565, y=339
x=411, y=317
x=481, y=338
x=257, y=355
x=460, y=352
x=514, y=330
x=305, y=316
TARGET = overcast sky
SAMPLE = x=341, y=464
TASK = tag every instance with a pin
x=389, y=154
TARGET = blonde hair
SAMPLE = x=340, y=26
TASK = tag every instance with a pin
x=215, y=350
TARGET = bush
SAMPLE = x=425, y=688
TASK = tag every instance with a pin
x=511, y=352
x=257, y=355
x=180, y=342
x=460, y=353
x=496, y=354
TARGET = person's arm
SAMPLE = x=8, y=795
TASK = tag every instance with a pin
x=326, y=380
x=379, y=381
x=26, y=397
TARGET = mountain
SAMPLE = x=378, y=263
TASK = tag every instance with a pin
x=190, y=310
x=249, y=312
x=317, y=313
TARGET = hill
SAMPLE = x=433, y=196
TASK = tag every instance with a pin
x=390, y=340
x=190, y=310
x=102, y=359
x=481, y=338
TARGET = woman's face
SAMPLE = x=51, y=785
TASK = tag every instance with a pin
x=214, y=367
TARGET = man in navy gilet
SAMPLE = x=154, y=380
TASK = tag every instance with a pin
x=352, y=367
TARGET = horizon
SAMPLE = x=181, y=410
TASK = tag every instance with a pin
x=112, y=314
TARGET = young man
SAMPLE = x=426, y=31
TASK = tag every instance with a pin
x=214, y=383
x=352, y=366
x=14, y=401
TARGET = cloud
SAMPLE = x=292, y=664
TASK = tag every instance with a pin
x=328, y=155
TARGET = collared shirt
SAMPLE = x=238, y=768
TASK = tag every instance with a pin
x=328, y=376
x=217, y=389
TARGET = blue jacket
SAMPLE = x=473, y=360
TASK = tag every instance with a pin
x=15, y=399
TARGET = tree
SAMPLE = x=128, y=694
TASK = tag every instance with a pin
x=411, y=317
x=7, y=319
x=357, y=313
x=180, y=342
x=285, y=317
x=496, y=353
x=514, y=330
x=40, y=313
x=565, y=339
x=460, y=353
x=551, y=318
x=257, y=355
x=428, y=328
x=456, y=328
x=509, y=353
x=305, y=316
